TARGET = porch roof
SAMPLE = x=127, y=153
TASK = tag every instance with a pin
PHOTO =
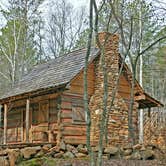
x=146, y=101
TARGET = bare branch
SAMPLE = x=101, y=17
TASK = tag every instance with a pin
x=151, y=45
x=4, y=76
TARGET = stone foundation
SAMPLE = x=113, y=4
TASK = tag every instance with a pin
x=12, y=157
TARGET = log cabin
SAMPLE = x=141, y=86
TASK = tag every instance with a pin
x=47, y=106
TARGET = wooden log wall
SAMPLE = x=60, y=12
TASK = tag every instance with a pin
x=45, y=129
x=76, y=85
x=75, y=132
x=72, y=132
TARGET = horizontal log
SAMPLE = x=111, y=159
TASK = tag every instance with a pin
x=66, y=105
x=66, y=124
x=69, y=120
x=39, y=128
x=66, y=115
x=71, y=95
x=80, y=90
x=40, y=136
x=73, y=100
x=66, y=110
x=22, y=103
x=74, y=141
x=90, y=83
x=75, y=127
x=74, y=132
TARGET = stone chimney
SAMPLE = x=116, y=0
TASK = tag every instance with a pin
x=117, y=123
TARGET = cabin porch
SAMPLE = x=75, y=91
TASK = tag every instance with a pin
x=32, y=120
x=48, y=118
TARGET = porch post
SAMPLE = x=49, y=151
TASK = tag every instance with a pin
x=141, y=123
x=5, y=125
x=27, y=120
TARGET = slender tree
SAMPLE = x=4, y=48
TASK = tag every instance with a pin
x=86, y=106
x=17, y=48
x=64, y=27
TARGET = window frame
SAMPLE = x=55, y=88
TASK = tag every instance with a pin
x=74, y=121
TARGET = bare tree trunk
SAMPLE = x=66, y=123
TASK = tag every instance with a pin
x=130, y=113
x=141, y=112
x=86, y=106
x=104, y=113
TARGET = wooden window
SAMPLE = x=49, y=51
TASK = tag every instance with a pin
x=78, y=114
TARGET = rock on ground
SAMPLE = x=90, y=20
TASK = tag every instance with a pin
x=28, y=152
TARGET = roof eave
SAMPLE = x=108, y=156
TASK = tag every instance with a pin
x=32, y=93
x=146, y=101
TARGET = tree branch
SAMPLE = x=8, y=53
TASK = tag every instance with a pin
x=150, y=46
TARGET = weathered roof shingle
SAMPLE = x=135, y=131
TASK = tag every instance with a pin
x=53, y=73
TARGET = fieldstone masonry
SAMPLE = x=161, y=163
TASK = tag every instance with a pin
x=118, y=115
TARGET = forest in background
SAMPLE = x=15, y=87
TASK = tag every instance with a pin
x=37, y=31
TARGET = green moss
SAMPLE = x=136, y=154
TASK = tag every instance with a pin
x=38, y=162
x=48, y=161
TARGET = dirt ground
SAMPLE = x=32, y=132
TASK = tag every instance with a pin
x=118, y=163
x=74, y=162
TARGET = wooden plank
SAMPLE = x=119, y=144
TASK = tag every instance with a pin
x=66, y=105
x=5, y=124
x=66, y=111
x=13, y=134
x=69, y=120
x=83, y=125
x=76, y=85
x=75, y=140
x=66, y=115
x=75, y=127
x=69, y=95
x=79, y=89
x=39, y=128
x=27, y=120
x=74, y=132
x=21, y=103
x=140, y=97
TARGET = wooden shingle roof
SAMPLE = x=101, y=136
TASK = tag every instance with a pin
x=59, y=72
x=51, y=74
